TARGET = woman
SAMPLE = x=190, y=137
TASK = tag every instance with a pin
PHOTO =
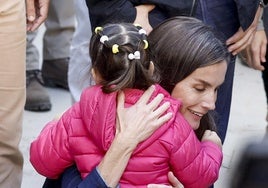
x=190, y=72
x=233, y=18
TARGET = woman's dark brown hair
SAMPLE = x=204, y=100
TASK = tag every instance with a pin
x=181, y=45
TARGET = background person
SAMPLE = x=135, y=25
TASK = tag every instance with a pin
x=60, y=26
x=80, y=61
x=255, y=55
x=12, y=82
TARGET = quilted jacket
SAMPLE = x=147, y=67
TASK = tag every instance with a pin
x=85, y=132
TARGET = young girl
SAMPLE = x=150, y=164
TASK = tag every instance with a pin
x=121, y=62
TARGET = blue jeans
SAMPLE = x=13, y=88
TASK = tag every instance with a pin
x=71, y=178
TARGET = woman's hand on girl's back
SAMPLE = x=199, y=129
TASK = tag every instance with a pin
x=139, y=121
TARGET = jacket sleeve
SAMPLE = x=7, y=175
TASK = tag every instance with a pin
x=49, y=153
x=104, y=11
x=194, y=163
x=71, y=178
x=246, y=11
x=174, y=8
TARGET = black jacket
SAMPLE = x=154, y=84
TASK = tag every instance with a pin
x=103, y=11
x=225, y=15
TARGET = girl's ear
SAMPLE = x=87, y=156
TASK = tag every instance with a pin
x=95, y=76
x=151, y=68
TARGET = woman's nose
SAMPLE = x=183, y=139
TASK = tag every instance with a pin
x=209, y=101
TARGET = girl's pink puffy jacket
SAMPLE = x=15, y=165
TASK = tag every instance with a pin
x=85, y=132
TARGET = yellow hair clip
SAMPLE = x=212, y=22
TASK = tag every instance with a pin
x=98, y=29
x=115, y=48
x=145, y=44
x=137, y=25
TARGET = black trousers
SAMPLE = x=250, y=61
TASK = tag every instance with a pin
x=265, y=76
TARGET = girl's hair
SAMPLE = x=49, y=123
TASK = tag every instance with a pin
x=179, y=46
x=120, y=56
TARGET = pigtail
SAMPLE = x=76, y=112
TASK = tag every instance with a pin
x=122, y=58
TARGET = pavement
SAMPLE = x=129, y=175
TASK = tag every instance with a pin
x=247, y=122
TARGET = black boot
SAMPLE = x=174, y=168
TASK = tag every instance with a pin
x=37, y=98
x=55, y=73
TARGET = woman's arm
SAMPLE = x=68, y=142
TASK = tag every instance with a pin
x=72, y=179
x=134, y=125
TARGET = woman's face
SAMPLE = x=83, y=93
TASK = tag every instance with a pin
x=198, y=92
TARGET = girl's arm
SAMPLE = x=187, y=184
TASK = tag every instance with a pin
x=201, y=160
x=52, y=143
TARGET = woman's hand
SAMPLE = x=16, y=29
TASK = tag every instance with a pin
x=139, y=121
x=173, y=181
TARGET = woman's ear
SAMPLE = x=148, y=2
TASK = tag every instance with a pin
x=151, y=68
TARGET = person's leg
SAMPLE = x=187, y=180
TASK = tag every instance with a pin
x=60, y=26
x=265, y=72
x=224, y=99
x=221, y=15
x=80, y=62
x=12, y=90
x=32, y=54
x=37, y=98
x=265, y=82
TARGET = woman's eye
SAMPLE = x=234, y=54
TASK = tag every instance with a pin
x=200, y=89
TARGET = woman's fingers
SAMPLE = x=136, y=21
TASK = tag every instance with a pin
x=155, y=102
x=140, y=120
x=146, y=95
x=174, y=181
x=240, y=40
x=159, y=112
